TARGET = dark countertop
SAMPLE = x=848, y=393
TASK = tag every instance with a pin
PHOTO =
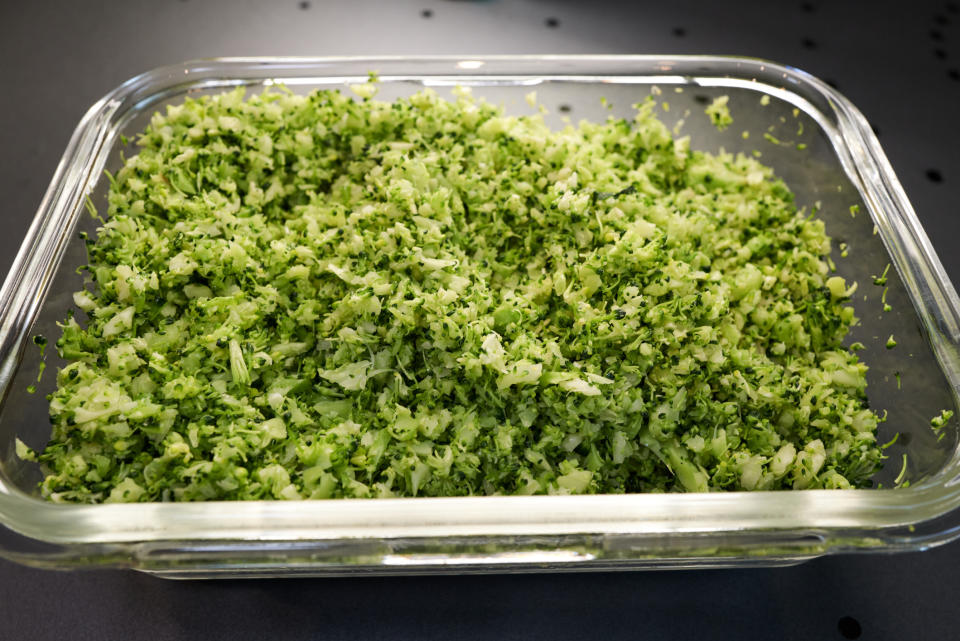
x=898, y=62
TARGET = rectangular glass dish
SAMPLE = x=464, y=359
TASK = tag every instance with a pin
x=811, y=136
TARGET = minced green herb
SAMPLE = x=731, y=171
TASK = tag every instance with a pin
x=315, y=296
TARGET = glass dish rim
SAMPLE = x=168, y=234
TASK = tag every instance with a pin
x=891, y=517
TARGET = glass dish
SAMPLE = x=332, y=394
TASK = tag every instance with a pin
x=841, y=168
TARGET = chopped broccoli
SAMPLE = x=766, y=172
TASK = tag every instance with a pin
x=939, y=421
x=719, y=113
x=315, y=296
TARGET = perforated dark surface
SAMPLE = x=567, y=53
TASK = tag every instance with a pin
x=898, y=62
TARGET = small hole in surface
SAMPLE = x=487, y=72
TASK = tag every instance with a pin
x=565, y=108
x=934, y=176
x=553, y=23
x=953, y=74
x=304, y=5
x=939, y=54
x=679, y=32
x=808, y=43
x=807, y=7
x=849, y=628
x=701, y=99
x=831, y=82
x=935, y=35
x=941, y=19
x=426, y=13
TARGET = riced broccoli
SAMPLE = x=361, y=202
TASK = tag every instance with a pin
x=316, y=296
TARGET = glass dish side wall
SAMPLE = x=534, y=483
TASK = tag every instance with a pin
x=830, y=174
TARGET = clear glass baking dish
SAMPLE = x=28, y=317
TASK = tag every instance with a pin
x=839, y=169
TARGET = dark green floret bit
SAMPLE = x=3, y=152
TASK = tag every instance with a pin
x=939, y=421
x=315, y=296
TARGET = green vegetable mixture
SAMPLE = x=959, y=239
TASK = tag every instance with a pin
x=318, y=296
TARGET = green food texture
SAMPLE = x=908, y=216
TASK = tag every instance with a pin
x=719, y=113
x=326, y=296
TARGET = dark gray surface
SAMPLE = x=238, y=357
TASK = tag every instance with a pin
x=907, y=598
x=898, y=63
